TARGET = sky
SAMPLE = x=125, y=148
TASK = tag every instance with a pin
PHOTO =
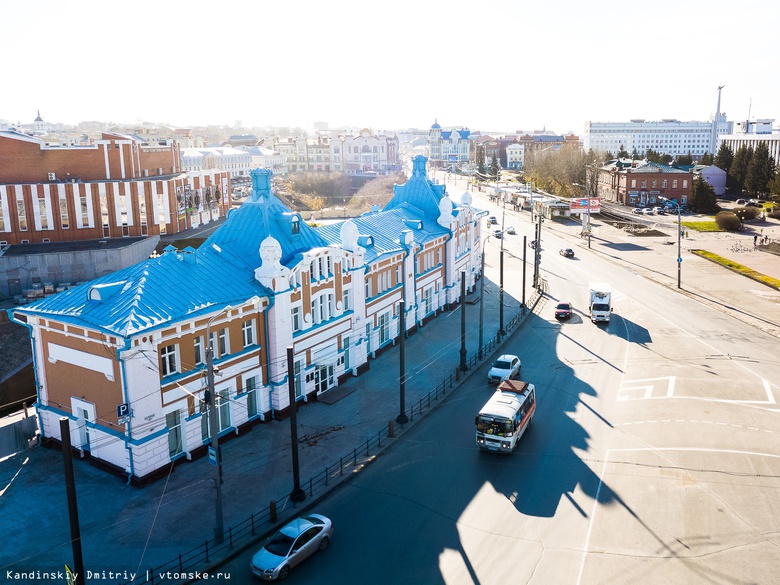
x=494, y=65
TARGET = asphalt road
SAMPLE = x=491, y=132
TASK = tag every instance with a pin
x=653, y=458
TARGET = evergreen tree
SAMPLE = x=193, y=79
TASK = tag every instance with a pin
x=760, y=171
x=481, y=160
x=739, y=168
x=703, y=199
x=635, y=154
x=622, y=153
x=685, y=159
x=494, y=167
x=608, y=157
x=707, y=159
x=724, y=158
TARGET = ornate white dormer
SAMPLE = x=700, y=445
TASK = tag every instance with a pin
x=270, y=272
x=445, y=212
x=349, y=236
x=466, y=199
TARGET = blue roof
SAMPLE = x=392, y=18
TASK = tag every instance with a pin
x=385, y=228
x=260, y=216
x=464, y=134
x=418, y=192
x=152, y=293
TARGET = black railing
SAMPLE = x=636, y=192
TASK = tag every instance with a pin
x=203, y=555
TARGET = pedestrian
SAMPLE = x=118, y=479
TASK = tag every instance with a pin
x=755, y=240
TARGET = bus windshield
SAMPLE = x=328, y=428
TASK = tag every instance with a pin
x=494, y=426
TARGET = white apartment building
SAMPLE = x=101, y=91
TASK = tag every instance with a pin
x=266, y=158
x=224, y=158
x=750, y=133
x=515, y=156
x=668, y=136
x=353, y=154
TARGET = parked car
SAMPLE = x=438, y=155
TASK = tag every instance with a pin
x=291, y=544
x=648, y=211
x=741, y=201
x=637, y=210
x=659, y=210
x=563, y=311
x=567, y=252
x=504, y=368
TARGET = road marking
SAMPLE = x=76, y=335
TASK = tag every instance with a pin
x=633, y=390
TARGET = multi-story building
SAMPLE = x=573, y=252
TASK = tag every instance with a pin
x=640, y=183
x=751, y=133
x=365, y=153
x=115, y=187
x=668, y=136
x=515, y=156
x=370, y=153
x=123, y=357
x=448, y=147
x=266, y=158
x=223, y=158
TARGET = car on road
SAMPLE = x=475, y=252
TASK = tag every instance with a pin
x=563, y=311
x=532, y=244
x=741, y=202
x=493, y=220
x=505, y=367
x=567, y=252
x=510, y=230
x=292, y=543
x=498, y=233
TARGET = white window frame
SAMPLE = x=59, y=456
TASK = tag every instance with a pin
x=169, y=359
x=248, y=333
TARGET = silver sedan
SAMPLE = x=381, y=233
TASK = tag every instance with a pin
x=290, y=545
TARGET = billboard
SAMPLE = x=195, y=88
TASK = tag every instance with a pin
x=581, y=205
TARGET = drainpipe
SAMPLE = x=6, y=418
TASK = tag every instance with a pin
x=267, y=355
x=35, y=364
x=126, y=399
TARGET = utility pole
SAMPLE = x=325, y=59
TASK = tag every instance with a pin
x=679, y=251
x=297, y=494
x=73, y=509
x=463, y=364
x=481, y=301
x=525, y=243
x=216, y=453
x=402, y=419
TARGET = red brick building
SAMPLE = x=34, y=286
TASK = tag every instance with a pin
x=118, y=186
x=640, y=183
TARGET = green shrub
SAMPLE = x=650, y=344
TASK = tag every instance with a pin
x=747, y=213
x=775, y=213
x=728, y=221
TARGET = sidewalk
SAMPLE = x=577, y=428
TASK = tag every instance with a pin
x=127, y=529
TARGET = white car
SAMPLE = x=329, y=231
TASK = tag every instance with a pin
x=504, y=368
x=649, y=211
x=292, y=543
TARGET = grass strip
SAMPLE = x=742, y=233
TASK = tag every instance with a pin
x=739, y=268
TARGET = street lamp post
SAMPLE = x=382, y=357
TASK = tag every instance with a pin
x=501, y=267
x=679, y=254
x=219, y=530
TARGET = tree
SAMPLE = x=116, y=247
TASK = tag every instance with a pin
x=622, y=152
x=481, y=160
x=702, y=199
x=494, y=167
x=724, y=158
x=685, y=159
x=707, y=159
x=635, y=154
x=739, y=169
x=760, y=171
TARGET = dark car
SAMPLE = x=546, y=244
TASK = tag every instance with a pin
x=493, y=220
x=498, y=234
x=563, y=311
x=567, y=252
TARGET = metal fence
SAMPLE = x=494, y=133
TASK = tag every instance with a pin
x=16, y=436
x=245, y=532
